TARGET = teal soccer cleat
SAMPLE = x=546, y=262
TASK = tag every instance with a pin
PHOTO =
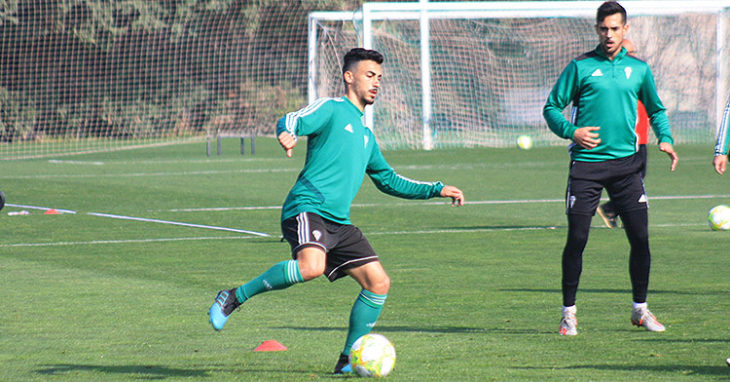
x=343, y=365
x=225, y=303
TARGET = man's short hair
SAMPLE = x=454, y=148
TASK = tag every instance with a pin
x=359, y=54
x=610, y=8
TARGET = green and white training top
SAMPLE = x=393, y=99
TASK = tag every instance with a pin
x=340, y=151
x=604, y=93
x=723, y=138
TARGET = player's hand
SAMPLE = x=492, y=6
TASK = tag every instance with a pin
x=667, y=148
x=287, y=141
x=456, y=195
x=720, y=162
x=587, y=137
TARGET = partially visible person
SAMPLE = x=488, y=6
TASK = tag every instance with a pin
x=723, y=139
x=2, y=200
x=607, y=211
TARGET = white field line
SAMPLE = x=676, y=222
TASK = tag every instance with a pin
x=122, y=217
x=382, y=233
x=93, y=163
x=439, y=202
x=152, y=174
x=465, y=166
x=61, y=211
x=130, y=241
x=170, y=161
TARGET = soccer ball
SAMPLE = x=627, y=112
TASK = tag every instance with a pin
x=719, y=218
x=372, y=355
x=524, y=142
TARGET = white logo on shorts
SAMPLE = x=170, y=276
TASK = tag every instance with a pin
x=643, y=198
x=572, y=200
x=316, y=234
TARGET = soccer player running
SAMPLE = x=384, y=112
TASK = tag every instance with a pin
x=723, y=140
x=607, y=211
x=315, y=218
x=604, y=85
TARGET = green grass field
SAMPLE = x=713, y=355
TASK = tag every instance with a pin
x=475, y=290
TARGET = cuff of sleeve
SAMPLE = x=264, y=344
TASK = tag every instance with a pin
x=669, y=140
x=280, y=126
x=570, y=132
x=437, y=187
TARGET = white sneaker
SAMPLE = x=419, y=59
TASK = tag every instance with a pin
x=727, y=361
x=643, y=317
x=568, y=325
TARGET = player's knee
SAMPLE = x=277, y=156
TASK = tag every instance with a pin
x=381, y=285
x=311, y=271
x=311, y=262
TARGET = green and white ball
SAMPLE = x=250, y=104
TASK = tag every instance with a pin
x=719, y=218
x=372, y=355
x=524, y=142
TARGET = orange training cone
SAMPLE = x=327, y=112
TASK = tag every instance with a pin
x=270, y=345
x=51, y=211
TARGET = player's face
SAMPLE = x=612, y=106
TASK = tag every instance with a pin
x=364, y=82
x=611, y=33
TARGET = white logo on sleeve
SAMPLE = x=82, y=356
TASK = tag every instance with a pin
x=349, y=128
x=366, y=140
x=597, y=73
x=628, y=72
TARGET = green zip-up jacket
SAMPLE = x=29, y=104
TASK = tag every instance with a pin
x=340, y=151
x=723, y=138
x=604, y=93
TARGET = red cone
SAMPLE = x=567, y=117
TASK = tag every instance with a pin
x=270, y=345
x=51, y=211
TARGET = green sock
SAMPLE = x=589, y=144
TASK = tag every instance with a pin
x=281, y=275
x=363, y=316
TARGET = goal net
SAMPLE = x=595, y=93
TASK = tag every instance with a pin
x=86, y=76
x=492, y=65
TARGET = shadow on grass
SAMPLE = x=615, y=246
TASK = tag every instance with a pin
x=415, y=329
x=144, y=371
x=688, y=341
x=685, y=370
x=505, y=228
x=622, y=291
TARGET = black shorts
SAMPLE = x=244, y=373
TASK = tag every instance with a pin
x=345, y=245
x=620, y=177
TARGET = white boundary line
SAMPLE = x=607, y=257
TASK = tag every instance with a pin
x=441, y=202
x=61, y=211
x=122, y=217
x=383, y=233
x=526, y=164
x=130, y=241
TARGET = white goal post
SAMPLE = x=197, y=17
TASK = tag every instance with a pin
x=446, y=43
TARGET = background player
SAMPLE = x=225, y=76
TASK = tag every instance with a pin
x=721, y=149
x=603, y=86
x=607, y=211
x=316, y=213
x=721, y=145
